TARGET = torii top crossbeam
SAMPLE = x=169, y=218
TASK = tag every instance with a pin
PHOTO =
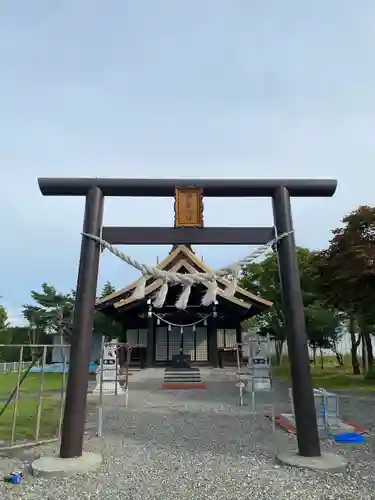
x=215, y=188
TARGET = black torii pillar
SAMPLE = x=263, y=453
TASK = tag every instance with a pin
x=303, y=397
x=73, y=427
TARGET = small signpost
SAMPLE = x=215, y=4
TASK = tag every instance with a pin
x=260, y=366
x=107, y=380
x=261, y=379
x=107, y=376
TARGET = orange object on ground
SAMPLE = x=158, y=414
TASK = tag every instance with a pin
x=183, y=385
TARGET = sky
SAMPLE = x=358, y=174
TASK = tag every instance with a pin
x=176, y=88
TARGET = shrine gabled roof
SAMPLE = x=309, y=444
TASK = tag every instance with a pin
x=181, y=258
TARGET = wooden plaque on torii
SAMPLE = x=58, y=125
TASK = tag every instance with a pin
x=188, y=207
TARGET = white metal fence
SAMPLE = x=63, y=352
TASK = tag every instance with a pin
x=343, y=347
x=32, y=398
x=12, y=366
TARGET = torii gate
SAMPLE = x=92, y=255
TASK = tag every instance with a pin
x=280, y=190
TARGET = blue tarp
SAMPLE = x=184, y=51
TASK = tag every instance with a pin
x=59, y=368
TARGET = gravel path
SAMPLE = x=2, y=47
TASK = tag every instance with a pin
x=199, y=445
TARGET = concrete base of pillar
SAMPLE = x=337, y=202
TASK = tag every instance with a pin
x=61, y=467
x=327, y=462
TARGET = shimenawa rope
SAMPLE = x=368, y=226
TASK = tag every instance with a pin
x=231, y=273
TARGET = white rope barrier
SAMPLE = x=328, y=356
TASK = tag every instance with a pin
x=169, y=323
x=231, y=273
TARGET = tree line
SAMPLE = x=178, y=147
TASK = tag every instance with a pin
x=338, y=290
x=51, y=313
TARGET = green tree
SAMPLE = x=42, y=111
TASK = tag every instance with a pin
x=107, y=289
x=4, y=323
x=15, y=335
x=53, y=314
x=324, y=329
x=4, y=331
x=263, y=279
x=102, y=323
x=12, y=335
x=347, y=275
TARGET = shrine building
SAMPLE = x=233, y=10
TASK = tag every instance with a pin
x=202, y=334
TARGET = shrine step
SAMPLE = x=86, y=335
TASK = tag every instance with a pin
x=182, y=378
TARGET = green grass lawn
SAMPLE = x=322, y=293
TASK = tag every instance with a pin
x=8, y=381
x=330, y=377
x=27, y=408
x=27, y=411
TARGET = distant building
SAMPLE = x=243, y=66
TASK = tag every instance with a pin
x=57, y=352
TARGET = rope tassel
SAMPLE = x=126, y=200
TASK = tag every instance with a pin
x=233, y=282
x=140, y=289
x=210, y=296
x=183, y=299
x=161, y=296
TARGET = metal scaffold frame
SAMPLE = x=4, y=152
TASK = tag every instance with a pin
x=110, y=367
x=258, y=375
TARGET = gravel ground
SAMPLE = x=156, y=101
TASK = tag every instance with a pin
x=200, y=445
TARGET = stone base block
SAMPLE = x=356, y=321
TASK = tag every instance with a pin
x=328, y=462
x=60, y=467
